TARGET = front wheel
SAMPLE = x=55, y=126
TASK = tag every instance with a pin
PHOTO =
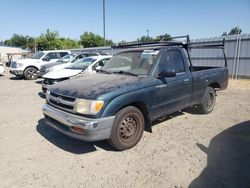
x=208, y=101
x=127, y=129
x=30, y=73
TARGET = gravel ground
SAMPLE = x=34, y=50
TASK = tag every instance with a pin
x=184, y=150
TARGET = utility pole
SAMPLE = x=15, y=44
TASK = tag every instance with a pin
x=104, y=37
x=35, y=44
x=147, y=33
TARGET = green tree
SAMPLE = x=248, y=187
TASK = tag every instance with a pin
x=48, y=41
x=145, y=39
x=67, y=43
x=89, y=39
x=17, y=40
x=235, y=31
x=25, y=42
x=163, y=37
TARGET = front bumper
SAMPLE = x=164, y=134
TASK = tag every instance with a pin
x=17, y=72
x=94, y=129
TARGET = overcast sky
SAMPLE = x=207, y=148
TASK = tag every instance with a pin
x=125, y=19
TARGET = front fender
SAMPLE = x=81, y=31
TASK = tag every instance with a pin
x=124, y=100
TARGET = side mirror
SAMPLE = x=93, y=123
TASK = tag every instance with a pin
x=45, y=59
x=167, y=73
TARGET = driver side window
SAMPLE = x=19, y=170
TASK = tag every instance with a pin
x=51, y=55
x=172, y=60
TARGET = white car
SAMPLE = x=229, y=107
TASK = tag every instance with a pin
x=86, y=65
x=64, y=62
x=30, y=66
x=1, y=68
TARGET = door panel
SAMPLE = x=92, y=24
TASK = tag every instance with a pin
x=173, y=93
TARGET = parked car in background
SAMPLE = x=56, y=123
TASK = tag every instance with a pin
x=1, y=68
x=28, y=68
x=64, y=62
x=135, y=88
x=62, y=66
x=86, y=65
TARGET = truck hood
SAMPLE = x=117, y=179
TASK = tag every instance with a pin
x=64, y=73
x=98, y=85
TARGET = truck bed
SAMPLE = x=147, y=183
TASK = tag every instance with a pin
x=200, y=68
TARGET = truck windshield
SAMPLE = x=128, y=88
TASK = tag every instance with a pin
x=37, y=55
x=132, y=62
x=82, y=63
x=67, y=58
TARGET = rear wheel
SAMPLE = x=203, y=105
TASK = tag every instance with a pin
x=208, y=101
x=30, y=73
x=127, y=129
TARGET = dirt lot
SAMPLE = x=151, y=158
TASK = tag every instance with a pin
x=184, y=150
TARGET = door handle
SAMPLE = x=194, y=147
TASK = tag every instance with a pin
x=186, y=80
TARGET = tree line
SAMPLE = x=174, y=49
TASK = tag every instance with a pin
x=50, y=40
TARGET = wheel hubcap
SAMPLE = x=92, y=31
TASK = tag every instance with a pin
x=210, y=101
x=128, y=128
x=31, y=73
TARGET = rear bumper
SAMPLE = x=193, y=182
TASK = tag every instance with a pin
x=94, y=129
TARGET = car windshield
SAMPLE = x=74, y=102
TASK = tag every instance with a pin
x=132, y=62
x=67, y=58
x=81, y=63
x=37, y=55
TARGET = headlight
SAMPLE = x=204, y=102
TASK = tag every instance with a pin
x=19, y=65
x=84, y=106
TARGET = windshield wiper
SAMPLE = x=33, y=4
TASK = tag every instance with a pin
x=125, y=72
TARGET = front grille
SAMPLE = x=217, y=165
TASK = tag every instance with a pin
x=63, y=97
x=53, y=81
x=13, y=64
x=62, y=102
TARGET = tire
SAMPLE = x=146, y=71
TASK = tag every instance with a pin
x=127, y=129
x=208, y=101
x=30, y=73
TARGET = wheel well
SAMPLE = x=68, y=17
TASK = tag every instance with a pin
x=30, y=67
x=214, y=85
x=143, y=108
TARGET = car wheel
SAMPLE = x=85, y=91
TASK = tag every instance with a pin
x=127, y=129
x=208, y=101
x=30, y=73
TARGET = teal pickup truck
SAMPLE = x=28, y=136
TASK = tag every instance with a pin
x=136, y=87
